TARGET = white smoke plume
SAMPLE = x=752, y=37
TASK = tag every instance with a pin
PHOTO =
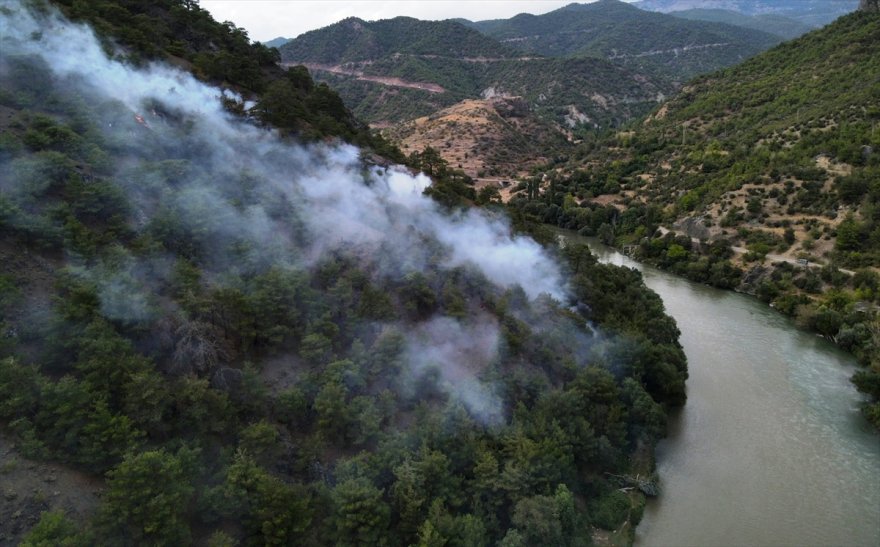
x=252, y=183
x=457, y=353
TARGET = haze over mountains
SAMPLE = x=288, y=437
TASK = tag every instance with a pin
x=241, y=329
x=580, y=68
x=614, y=30
x=771, y=23
x=814, y=13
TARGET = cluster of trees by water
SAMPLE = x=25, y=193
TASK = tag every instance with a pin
x=838, y=305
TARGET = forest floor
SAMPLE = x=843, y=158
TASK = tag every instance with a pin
x=29, y=488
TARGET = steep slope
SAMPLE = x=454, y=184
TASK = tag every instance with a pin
x=779, y=25
x=353, y=39
x=388, y=79
x=814, y=13
x=617, y=31
x=773, y=161
x=219, y=335
x=790, y=128
x=184, y=35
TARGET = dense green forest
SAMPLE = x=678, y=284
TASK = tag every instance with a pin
x=185, y=35
x=244, y=340
x=775, y=156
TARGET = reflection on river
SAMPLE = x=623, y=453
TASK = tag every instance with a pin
x=770, y=448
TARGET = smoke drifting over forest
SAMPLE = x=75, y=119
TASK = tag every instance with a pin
x=252, y=201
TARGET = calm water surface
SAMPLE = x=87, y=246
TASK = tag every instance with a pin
x=770, y=448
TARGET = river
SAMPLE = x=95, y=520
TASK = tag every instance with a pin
x=770, y=448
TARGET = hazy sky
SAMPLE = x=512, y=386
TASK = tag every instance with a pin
x=267, y=19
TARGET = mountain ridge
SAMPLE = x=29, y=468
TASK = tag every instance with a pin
x=353, y=39
x=815, y=13
x=616, y=30
x=392, y=81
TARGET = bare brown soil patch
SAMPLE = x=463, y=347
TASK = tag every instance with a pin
x=494, y=141
x=29, y=488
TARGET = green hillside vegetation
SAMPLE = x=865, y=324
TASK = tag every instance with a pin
x=590, y=92
x=777, y=155
x=183, y=34
x=666, y=46
x=353, y=39
x=770, y=23
x=222, y=388
x=601, y=94
x=382, y=104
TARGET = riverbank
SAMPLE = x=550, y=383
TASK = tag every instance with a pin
x=841, y=306
x=769, y=448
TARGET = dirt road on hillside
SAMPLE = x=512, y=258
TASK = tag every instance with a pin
x=359, y=75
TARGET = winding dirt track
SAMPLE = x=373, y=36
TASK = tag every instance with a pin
x=384, y=80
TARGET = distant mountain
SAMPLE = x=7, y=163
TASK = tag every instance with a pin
x=400, y=69
x=277, y=42
x=617, y=31
x=814, y=13
x=353, y=39
x=770, y=23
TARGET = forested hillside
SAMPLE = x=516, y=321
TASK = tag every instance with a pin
x=215, y=333
x=183, y=34
x=575, y=94
x=665, y=46
x=770, y=23
x=353, y=39
x=400, y=69
x=774, y=161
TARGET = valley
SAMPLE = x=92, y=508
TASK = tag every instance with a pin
x=760, y=178
x=755, y=177
x=605, y=275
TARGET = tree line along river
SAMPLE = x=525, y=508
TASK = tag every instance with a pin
x=770, y=448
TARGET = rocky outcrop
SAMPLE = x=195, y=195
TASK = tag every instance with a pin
x=693, y=227
x=752, y=278
x=870, y=5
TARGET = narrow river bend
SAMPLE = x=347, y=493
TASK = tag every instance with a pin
x=770, y=448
